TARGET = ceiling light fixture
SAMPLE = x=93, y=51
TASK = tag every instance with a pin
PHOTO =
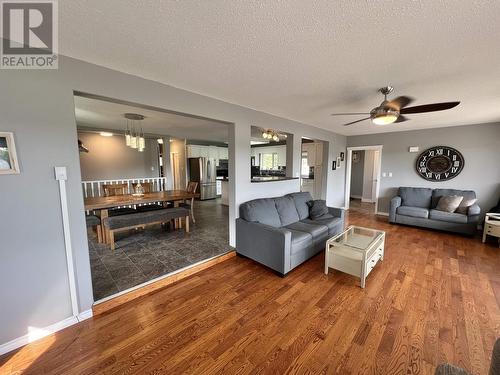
x=384, y=115
x=160, y=141
x=134, y=138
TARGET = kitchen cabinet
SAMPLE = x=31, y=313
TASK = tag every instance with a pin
x=199, y=151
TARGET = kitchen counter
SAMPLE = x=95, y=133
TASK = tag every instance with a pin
x=272, y=178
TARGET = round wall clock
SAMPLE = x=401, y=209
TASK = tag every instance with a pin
x=440, y=163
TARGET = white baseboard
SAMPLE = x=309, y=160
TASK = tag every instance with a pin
x=85, y=315
x=356, y=197
x=382, y=213
x=39, y=333
x=364, y=200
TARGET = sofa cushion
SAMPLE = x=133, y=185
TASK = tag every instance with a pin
x=438, y=193
x=413, y=211
x=261, y=211
x=318, y=232
x=301, y=200
x=451, y=217
x=464, y=206
x=449, y=203
x=317, y=208
x=286, y=210
x=330, y=221
x=415, y=197
x=301, y=241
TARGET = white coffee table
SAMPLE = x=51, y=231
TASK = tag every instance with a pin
x=355, y=251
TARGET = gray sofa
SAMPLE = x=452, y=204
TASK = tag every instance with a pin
x=278, y=232
x=416, y=206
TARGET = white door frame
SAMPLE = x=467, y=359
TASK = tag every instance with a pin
x=349, y=169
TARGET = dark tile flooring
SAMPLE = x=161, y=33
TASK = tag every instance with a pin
x=147, y=254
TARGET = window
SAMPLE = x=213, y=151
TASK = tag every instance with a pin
x=269, y=161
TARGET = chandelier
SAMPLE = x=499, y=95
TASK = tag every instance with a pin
x=134, y=134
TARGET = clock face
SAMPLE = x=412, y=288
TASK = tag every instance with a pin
x=440, y=163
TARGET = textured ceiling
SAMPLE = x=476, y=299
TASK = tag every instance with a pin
x=299, y=59
x=109, y=116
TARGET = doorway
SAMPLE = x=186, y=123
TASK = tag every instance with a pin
x=363, y=179
x=312, y=172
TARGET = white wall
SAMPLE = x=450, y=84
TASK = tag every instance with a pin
x=38, y=107
x=109, y=158
x=479, y=144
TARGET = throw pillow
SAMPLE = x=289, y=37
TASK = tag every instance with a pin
x=317, y=208
x=449, y=203
x=463, y=208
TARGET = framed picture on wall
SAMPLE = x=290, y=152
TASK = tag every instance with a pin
x=334, y=165
x=339, y=163
x=342, y=156
x=8, y=156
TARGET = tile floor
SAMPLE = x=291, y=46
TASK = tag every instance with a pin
x=153, y=252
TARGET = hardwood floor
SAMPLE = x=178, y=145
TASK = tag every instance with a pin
x=434, y=298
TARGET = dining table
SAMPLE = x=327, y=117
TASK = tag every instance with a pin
x=103, y=204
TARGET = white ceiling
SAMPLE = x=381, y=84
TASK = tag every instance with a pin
x=109, y=116
x=303, y=59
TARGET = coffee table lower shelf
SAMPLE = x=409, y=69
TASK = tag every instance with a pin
x=356, y=261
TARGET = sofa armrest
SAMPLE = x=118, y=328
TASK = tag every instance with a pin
x=395, y=203
x=265, y=244
x=337, y=212
x=474, y=210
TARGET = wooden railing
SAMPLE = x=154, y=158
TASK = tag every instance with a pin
x=94, y=188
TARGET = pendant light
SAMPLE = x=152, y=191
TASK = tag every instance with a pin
x=127, y=134
x=133, y=137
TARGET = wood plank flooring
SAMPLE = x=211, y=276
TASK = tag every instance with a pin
x=434, y=298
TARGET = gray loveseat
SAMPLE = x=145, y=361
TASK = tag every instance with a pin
x=416, y=206
x=278, y=232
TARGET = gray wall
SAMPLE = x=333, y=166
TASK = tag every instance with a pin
x=479, y=144
x=357, y=172
x=109, y=158
x=38, y=107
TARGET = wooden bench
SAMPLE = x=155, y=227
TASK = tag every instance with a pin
x=139, y=219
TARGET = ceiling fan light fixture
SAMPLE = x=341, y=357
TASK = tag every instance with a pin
x=384, y=116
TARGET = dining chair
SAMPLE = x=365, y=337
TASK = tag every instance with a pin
x=191, y=188
x=111, y=190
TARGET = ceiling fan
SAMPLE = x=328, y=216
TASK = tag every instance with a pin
x=392, y=111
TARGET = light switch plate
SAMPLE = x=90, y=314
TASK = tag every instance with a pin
x=61, y=173
x=384, y=174
x=390, y=174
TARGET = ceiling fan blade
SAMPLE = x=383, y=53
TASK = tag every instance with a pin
x=348, y=114
x=401, y=119
x=400, y=102
x=429, y=107
x=363, y=119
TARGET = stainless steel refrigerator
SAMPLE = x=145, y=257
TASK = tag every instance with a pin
x=203, y=171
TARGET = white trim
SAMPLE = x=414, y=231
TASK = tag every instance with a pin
x=44, y=332
x=347, y=192
x=85, y=315
x=61, y=177
x=356, y=197
x=364, y=200
x=380, y=213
